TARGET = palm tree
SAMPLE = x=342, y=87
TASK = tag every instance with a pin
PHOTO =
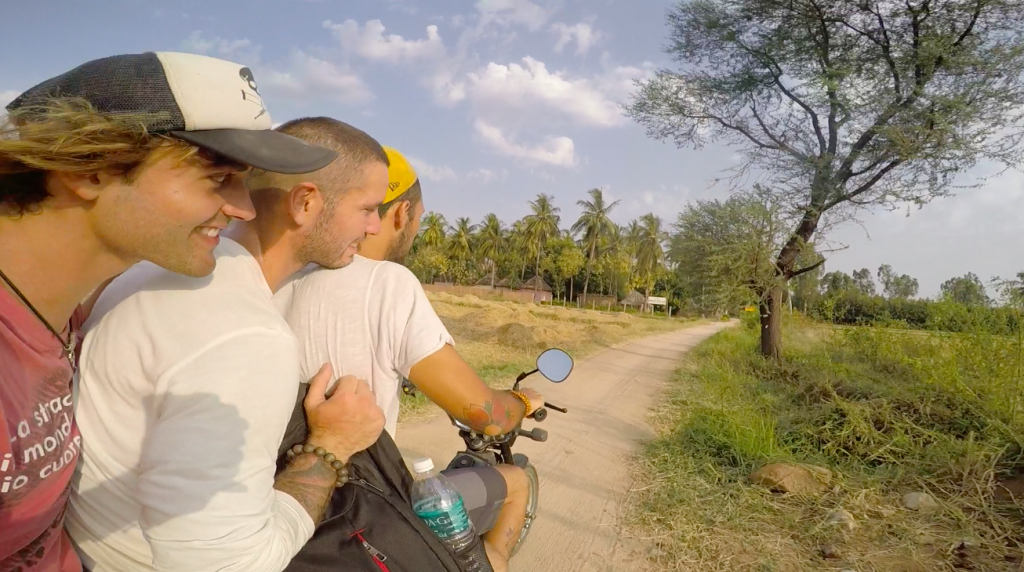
x=630, y=239
x=541, y=225
x=435, y=229
x=650, y=249
x=460, y=241
x=594, y=225
x=519, y=241
x=491, y=241
x=614, y=245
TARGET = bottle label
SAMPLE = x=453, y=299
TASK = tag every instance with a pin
x=448, y=523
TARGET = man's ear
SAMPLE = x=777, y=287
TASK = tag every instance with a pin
x=305, y=203
x=403, y=213
x=86, y=187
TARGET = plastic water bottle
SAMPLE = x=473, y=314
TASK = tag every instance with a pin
x=438, y=503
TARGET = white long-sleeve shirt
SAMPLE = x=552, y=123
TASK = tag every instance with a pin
x=186, y=387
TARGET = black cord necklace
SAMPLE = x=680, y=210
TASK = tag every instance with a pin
x=69, y=344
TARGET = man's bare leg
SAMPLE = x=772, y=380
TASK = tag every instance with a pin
x=500, y=540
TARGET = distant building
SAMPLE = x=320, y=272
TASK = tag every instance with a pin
x=540, y=288
x=635, y=300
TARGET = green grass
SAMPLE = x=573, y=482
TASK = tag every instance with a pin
x=887, y=411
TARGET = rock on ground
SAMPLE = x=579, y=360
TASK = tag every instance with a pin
x=843, y=519
x=922, y=502
x=796, y=479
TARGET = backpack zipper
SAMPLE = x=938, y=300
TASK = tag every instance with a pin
x=377, y=555
x=433, y=539
x=365, y=483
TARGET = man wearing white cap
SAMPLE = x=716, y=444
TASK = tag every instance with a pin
x=187, y=385
x=122, y=159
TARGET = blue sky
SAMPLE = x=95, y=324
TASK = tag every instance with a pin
x=495, y=101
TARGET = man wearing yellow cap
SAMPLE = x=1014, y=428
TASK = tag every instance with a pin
x=400, y=213
x=372, y=319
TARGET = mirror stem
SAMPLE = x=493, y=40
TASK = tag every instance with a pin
x=525, y=375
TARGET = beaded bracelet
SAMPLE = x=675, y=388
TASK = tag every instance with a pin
x=526, y=401
x=330, y=459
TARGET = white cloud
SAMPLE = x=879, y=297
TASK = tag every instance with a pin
x=583, y=34
x=307, y=77
x=483, y=175
x=301, y=77
x=370, y=42
x=507, y=12
x=558, y=151
x=429, y=172
x=241, y=51
x=7, y=96
x=618, y=83
x=500, y=90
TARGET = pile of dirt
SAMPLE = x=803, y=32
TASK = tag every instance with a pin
x=517, y=335
x=490, y=318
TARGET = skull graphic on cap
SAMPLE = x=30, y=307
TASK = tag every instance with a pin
x=246, y=74
x=254, y=97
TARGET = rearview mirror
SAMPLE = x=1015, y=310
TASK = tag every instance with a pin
x=555, y=365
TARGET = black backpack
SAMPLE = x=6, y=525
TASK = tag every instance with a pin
x=370, y=525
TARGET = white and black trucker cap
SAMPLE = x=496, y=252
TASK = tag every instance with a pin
x=209, y=102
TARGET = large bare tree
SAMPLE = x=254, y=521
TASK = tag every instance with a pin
x=839, y=105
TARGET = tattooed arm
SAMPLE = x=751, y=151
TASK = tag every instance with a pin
x=310, y=482
x=447, y=380
x=344, y=422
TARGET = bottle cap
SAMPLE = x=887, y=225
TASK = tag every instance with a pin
x=424, y=465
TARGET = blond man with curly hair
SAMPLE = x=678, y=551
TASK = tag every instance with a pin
x=122, y=159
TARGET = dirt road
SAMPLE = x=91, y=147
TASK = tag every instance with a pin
x=582, y=474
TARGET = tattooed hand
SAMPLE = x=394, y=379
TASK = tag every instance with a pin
x=536, y=399
x=501, y=414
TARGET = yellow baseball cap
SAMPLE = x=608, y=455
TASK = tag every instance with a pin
x=401, y=175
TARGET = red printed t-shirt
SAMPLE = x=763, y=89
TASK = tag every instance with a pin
x=39, y=443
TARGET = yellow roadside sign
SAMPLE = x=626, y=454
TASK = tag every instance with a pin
x=749, y=309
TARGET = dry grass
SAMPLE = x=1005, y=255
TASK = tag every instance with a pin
x=888, y=413
x=501, y=339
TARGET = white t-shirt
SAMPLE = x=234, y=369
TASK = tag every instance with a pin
x=370, y=319
x=186, y=388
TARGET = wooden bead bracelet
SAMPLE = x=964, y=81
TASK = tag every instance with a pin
x=332, y=461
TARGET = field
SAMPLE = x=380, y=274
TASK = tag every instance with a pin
x=887, y=412
x=501, y=339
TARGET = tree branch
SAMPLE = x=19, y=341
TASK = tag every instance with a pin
x=874, y=164
x=833, y=97
x=774, y=66
x=866, y=186
x=806, y=269
x=822, y=145
x=740, y=130
x=781, y=144
x=887, y=53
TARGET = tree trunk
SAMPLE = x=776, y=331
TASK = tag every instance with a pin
x=494, y=270
x=536, y=283
x=771, y=324
x=571, y=287
x=785, y=267
x=590, y=266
